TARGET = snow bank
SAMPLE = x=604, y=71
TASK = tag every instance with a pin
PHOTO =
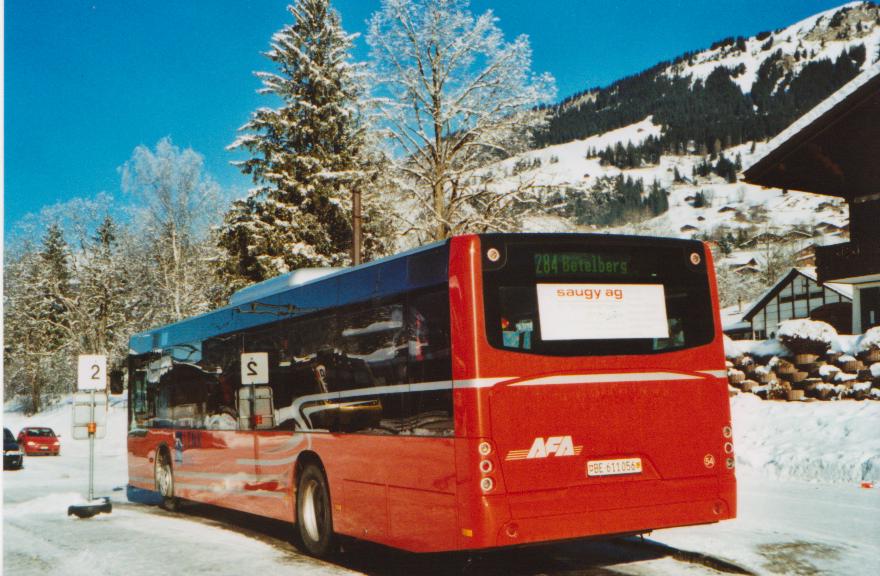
x=827, y=442
x=870, y=340
x=808, y=330
x=756, y=348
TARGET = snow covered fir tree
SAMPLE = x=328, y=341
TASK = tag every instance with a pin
x=307, y=156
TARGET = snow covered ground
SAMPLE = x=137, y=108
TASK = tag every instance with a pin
x=801, y=511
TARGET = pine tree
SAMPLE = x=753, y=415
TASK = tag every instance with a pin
x=54, y=286
x=104, y=292
x=307, y=154
x=37, y=294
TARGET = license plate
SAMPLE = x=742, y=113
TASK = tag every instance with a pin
x=614, y=467
x=44, y=447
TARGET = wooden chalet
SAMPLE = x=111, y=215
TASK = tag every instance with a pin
x=835, y=150
x=798, y=294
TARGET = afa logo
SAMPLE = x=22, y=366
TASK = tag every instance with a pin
x=555, y=446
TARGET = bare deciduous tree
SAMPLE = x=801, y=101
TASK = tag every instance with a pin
x=453, y=96
x=177, y=199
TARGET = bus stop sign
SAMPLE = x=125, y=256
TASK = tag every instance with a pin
x=91, y=372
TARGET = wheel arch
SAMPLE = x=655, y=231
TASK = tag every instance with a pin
x=305, y=458
x=161, y=449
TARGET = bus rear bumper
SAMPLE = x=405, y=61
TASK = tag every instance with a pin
x=526, y=526
x=610, y=522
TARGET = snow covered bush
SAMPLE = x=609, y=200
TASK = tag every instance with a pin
x=870, y=340
x=868, y=345
x=803, y=336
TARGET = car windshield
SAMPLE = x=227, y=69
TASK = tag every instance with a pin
x=40, y=432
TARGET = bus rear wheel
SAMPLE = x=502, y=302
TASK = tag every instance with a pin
x=314, y=516
x=165, y=482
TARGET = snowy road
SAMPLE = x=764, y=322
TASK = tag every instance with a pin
x=784, y=527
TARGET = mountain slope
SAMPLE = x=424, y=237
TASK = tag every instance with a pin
x=740, y=89
x=683, y=130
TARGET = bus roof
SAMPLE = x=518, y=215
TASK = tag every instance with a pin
x=420, y=267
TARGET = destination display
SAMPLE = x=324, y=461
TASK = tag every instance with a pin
x=554, y=264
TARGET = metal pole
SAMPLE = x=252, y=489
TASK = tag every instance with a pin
x=356, y=227
x=92, y=450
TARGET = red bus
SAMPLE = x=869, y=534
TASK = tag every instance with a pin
x=486, y=391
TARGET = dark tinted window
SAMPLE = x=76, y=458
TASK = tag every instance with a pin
x=379, y=367
x=597, y=298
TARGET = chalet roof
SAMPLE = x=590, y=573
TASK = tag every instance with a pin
x=832, y=149
x=844, y=290
x=731, y=319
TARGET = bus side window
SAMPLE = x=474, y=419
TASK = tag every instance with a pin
x=306, y=371
x=369, y=352
x=142, y=404
x=221, y=356
x=184, y=392
x=429, y=412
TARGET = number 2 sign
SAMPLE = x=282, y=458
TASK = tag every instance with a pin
x=91, y=372
x=255, y=368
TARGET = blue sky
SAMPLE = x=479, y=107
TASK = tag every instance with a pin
x=87, y=82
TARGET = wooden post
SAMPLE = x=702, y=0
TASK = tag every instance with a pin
x=355, y=227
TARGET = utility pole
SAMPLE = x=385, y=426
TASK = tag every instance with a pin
x=355, y=227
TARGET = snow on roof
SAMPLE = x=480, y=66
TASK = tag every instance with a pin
x=816, y=112
x=807, y=329
x=842, y=289
x=731, y=318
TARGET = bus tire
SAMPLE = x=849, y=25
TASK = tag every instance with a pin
x=165, y=481
x=314, y=516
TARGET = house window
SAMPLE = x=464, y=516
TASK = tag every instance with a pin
x=870, y=305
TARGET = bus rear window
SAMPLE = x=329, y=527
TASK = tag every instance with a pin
x=568, y=297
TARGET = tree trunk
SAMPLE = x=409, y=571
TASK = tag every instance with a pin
x=442, y=229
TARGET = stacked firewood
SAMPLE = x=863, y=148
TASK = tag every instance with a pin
x=822, y=376
x=826, y=376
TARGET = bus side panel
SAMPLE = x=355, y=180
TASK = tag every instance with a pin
x=141, y=456
x=421, y=494
x=398, y=491
x=211, y=467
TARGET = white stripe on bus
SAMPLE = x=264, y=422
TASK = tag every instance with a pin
x=480, y=382
x=599, y=378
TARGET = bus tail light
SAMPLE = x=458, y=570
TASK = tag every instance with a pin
x=487, y=484
x=484, y=448
x=730, y=463
x=486, y=466
x=727, y=432
x=728, y=448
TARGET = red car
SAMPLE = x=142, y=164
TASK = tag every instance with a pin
x=39, y=440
